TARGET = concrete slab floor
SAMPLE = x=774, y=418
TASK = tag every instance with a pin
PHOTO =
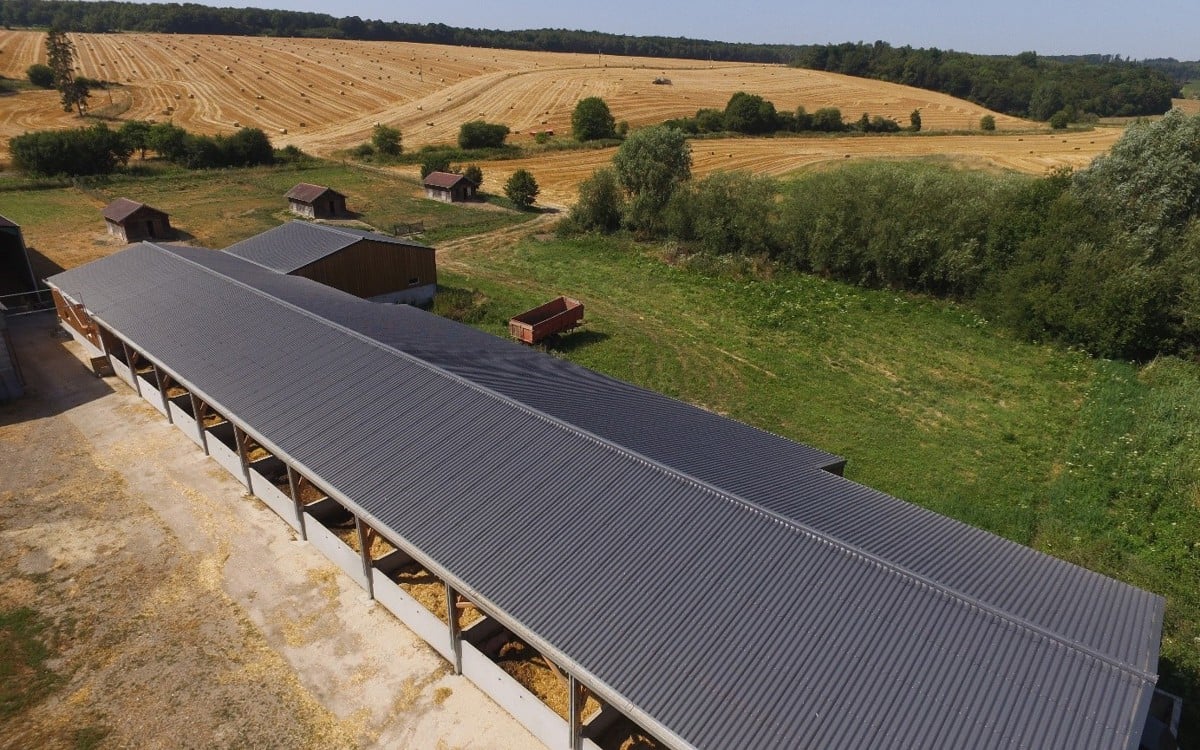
x=182, y=612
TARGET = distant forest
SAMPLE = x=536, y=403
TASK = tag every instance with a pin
x=1023, y=85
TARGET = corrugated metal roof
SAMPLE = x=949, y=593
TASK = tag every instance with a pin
x=294, y=245
x=836, y=619
x=306, y=192
x=444, y=180
x=122, y=208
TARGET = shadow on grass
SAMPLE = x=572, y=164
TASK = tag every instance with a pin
x=566, y=343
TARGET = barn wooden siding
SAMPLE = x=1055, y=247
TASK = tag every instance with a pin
x=369, y=268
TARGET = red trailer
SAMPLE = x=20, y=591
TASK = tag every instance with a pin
x=557, y=315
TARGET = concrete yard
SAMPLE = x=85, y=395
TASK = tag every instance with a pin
x=182, y=612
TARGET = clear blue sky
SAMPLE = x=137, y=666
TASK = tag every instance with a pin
x=1152, y=28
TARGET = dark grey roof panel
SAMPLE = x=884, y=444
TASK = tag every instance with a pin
x=756, y=465
x=716, y=622
x=294, y=245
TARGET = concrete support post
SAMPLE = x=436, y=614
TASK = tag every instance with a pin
x=199, y=421
x=294, y=489
x=130, y=358
x=239, y=438
x=577, y=694
x=455, y=628
x=364, y=548
x=161, y=380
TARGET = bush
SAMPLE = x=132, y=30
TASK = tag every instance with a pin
x=750, y=114
x=521, y=188
x=480, y=134
x=40, y=75
x=137, y=136
x=434, y=162
x=474, y=174
x=828, y=120
x=386, y=140
x=987, y=122
x=914, y=121
x=1060, y=119
x=87, y=151
x=599, y=206
x=363, y=151
x=592, y=120
x=726, y=213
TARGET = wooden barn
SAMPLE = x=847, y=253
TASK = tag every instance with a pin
x=449, y=187
x=316, y=202
x=16, y=273
x=366, y=264
x=134, y=222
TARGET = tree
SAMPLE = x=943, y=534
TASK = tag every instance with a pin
x=40, y=75
x=60, y=58
x=434, y=162
x=480, y=134
x=914, y=121
x=987, y=122
x=828, y=120
x=474, y=174
x=168, y=140
x=750, y=113
x=600, y=203
x=1060, y=119
x=136, y=134
x=727, y=212
x=592, y=120
x=76, y=95
x=386, y=140
x=521, y=188
x=85, y=151
x=650, y=164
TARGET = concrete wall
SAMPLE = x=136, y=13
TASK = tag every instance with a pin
x=413, y=614
x=336, y=550
x=223, y=454
x=150, y=392
x=273, y=498
x=184, y=421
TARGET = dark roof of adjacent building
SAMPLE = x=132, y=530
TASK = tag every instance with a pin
x=718, y=612
x=8, y=223
x=294, y=245
x=122, y=208
x=306, y=192
x=445, y=180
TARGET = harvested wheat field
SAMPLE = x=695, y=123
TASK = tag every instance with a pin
x=327, y=94
x=1189, y=106
x=559, y=173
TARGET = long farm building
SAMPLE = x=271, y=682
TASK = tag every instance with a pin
x=686, y=576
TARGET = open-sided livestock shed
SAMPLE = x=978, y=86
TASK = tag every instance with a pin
x=720, y=586
x=132, y=221
x=366, y=264
x=316, y=201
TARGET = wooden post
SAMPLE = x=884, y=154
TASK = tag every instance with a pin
x=294, y=486
x=162, y=391
x=198, y=413
x=577, y=697
x=239, y=438
x=455, y=629
x=131, y=358
x=364, y=548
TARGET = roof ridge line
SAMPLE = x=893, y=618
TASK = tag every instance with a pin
x=726, y=495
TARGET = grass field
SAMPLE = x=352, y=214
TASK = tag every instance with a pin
x=1089, y=460
x=62, y=223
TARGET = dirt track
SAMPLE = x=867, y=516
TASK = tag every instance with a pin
x=184, y=613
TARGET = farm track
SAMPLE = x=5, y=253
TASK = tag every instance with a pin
x=325, y=95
